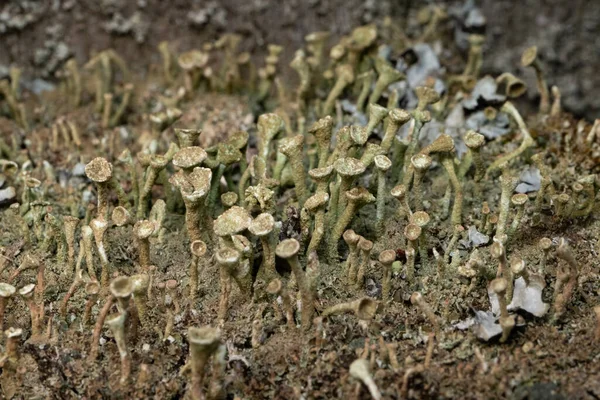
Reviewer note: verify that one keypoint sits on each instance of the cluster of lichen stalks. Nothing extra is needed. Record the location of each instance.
(234, 195)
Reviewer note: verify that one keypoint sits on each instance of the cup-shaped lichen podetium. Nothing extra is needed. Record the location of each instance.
(292, 147)
(120, 216)
(376, 114)
(357, 136)
(194, 188)
(242, 244)
(203, 343)
(117, 324)
(420, 117)
(442, 144)
(315, 44)
(262, 226)
(239, 140)
(386, 258)
(139, 284)
(100, 171)
(498, 251)
(192, 62)
(232, 222)
(242, 274)
(229, 199)
(345, 76)
(300, 64)
(360, 369)
(351, 238)
(365, 246)
(530, 59)
(399, 193)
(364, 308)
(507, 322)
(27, 293)
(421, 219)
(365, 81)
(475, 141)
(13, 336)
(417, 299)
(321, 177)
(99, 227)
(348, 169)
(92, 290)
(142, 231)
(316, 205)
(395, 119)
(288, 250)
(513, 86)
(189, 157)
(420, 164)
(518, 200)
(268, 126)
(357, 198)
(527, 140)
(448, 163)
(426, 96)
(322, 129)
(157, 164)
(122, 289)
(412, 232)
(70, 226)
(198, 249)
(475, 59)
(336, 54)
(371, 151)
(187, 137)
(227, 155)
(566, 279)
(277, 288)
(386, 75)
(545, 245)
(228, 260)
(361, 39)
(6, 292)
(87, 235)
(162, 120)
(508, 183)
(519, 269)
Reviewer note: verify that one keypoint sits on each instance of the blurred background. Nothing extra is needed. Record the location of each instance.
(39, 36)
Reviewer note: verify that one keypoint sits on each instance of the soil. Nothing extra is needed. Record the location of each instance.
(543, 358)
(44, 34)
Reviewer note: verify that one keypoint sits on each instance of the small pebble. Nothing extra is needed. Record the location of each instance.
(7, 194)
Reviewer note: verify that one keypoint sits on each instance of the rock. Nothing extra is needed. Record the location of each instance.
(38, 86)
(491, 129)
(483, 94)
(477, 238)
(7, 195)
(78, 169)
(427, 65)
(529, 180)
(529, 298)
(486, 326)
